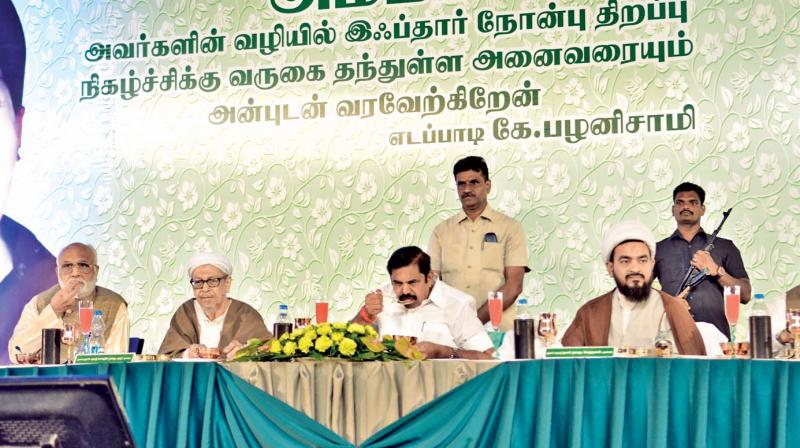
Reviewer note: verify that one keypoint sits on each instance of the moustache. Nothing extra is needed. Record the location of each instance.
(407, 298)
(634, 274)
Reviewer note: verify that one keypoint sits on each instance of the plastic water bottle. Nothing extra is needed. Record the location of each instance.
(97, 338)
(283, 324)
(524, 337)
(760, 329)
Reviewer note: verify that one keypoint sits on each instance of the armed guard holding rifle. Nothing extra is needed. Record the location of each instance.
(687, 266)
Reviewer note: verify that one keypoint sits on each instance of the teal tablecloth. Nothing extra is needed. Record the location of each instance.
(612, 403)
(198, 405)
(553, 403)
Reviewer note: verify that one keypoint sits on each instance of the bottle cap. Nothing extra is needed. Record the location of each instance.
(522, 301)
(759, 296)
(283, 306)
(98, 313)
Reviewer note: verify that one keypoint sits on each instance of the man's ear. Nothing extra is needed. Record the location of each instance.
(20, 114)
(610, 268)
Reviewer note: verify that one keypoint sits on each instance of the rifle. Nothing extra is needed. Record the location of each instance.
(694, 276)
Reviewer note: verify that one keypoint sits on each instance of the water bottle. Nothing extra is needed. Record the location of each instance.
(524, 337)
(283, 324)
(97, 338)
(760, 329)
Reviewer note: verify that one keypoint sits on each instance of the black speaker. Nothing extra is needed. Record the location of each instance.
(76, 411)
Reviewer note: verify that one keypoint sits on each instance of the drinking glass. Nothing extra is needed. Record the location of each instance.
(732, 300)
(85, 315)
(70, 335)
(793, 327)
(495, 310)
(547, 327)
(302, 316)
(495, 303)
(321, 311)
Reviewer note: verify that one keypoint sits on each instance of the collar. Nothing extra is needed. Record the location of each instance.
(677, 235)
(437, 295)
(629, 304)
(488, 214)
(201, 315)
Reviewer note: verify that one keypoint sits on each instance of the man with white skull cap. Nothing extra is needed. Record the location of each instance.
(633, 313)
(211, 319)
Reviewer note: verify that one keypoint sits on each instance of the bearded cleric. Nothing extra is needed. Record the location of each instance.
(632, 314)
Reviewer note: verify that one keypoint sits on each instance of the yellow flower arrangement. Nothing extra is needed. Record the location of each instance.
(347, 347)
(335, 340)
(275, 346)
(356, 328)
(289, 348)
(325, 329)
(305, 344)
(322, 344)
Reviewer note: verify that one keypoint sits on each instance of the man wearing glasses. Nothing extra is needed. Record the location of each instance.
(211, 319)
(684, 247)
(58, 306)
(479, 249)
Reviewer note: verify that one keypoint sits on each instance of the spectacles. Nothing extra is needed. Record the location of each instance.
(83, 268)
(211, 282)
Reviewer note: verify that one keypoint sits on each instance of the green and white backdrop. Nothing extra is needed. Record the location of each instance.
(312, 205)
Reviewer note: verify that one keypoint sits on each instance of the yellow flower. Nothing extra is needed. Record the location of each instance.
(275, 346)
(337, 336)
(305, 344)
(289, 348)
(339, 325)
(310, 333)
(347, 347)
(324, 329)
(323, 344)
(297, 332)
(284, 336)
(356, 328)
(371, 331)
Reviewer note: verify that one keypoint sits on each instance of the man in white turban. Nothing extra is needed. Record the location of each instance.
(633, 313)
(211, 319)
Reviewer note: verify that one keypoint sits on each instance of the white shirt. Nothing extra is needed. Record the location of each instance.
(28, 332)
(636, 324)
(210, 329)
(446, 317)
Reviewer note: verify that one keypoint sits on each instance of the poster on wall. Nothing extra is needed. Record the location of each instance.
(308, 139)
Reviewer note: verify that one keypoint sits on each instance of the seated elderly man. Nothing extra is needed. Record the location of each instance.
(632, 314)
(211, 319)
(77, 280)
(440, 316)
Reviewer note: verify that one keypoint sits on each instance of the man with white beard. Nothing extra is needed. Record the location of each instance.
(77, 280)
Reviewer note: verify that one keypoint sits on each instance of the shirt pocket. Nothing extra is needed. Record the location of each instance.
(437, 332)
(492, 257)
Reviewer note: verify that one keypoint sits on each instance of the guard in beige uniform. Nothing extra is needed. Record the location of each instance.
(480, 250)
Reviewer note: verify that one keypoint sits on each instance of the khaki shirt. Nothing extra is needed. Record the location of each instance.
(472, 255)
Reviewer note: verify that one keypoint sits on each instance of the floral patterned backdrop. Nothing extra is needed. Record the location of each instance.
(313, 209)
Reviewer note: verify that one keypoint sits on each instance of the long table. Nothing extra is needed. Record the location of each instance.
(357, 399)
(549, 403)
